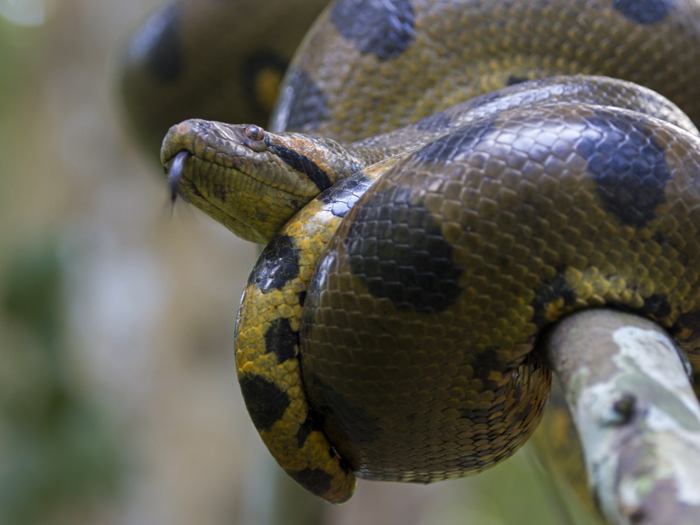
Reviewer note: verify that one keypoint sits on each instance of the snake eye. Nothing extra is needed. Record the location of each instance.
(254, 132)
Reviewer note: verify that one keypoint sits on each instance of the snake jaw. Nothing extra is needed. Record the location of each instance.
(230, 147)
(232, 174)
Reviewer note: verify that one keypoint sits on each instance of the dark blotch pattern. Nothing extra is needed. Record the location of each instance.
(627, 161)
(282, 340)
(340, 198)
(357, 426)
(397, 248)
(485, 362)
(304, 165)
(384, 28)
(264, 400)
(314, 421)
(277, 265)
(309, 105)
(512, 80)
(656, 305)
(549, 291)
(687, 326)
(458, 142)
(164, 50)
(644, 12)
(253, 66)
(316, 481)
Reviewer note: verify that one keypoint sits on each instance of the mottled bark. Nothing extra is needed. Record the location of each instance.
(627, 386)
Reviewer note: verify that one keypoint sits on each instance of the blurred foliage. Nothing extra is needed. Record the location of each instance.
(21, 50)
(55, 446)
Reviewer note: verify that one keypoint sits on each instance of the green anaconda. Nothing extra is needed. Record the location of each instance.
(388, 328)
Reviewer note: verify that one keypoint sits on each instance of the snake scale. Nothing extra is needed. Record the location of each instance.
(435, 191)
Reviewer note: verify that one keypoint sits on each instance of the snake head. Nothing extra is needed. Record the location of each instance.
(250, 180)
(229, 172)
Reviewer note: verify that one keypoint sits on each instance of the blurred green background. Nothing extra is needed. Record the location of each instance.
(118, 398)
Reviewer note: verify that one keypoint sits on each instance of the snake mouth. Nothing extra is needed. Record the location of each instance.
(230, 149)
(233, 179)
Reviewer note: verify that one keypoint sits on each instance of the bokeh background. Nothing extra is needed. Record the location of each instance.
(118, 397)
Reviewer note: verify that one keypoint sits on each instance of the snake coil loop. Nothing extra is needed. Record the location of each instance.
(454, 209)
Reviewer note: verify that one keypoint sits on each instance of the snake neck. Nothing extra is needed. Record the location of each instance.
(251, 180)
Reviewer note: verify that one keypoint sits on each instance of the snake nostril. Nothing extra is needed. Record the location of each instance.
(174, 172)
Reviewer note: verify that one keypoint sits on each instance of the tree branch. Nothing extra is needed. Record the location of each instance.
(627, 387)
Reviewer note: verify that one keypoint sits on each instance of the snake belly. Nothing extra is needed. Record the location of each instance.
(399, 347)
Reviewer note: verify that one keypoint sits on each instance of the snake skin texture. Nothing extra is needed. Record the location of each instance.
(388, 329)
(209, 59)
(419, 323)
(371, 67)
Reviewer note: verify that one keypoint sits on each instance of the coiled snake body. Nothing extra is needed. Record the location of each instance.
(387, 329)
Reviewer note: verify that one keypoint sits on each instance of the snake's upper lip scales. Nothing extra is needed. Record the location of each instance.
(226, 146)
(203, 139)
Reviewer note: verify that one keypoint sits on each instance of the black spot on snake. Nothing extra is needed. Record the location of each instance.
(255, 65)
(265, 401)
(282, 340)
(384, 28)
(308, 105)
(159, 40)
(277, 265)
(486, 362)
(357, 427)
(396, 247)
(512, 80)
(316, 480)
(342, 196)
(459, 142)
(304, 165)
(687, 326)
(628, 164)
(554, 292)
(435, 122)
(644, 12)
(314, 421)
(656, 305)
